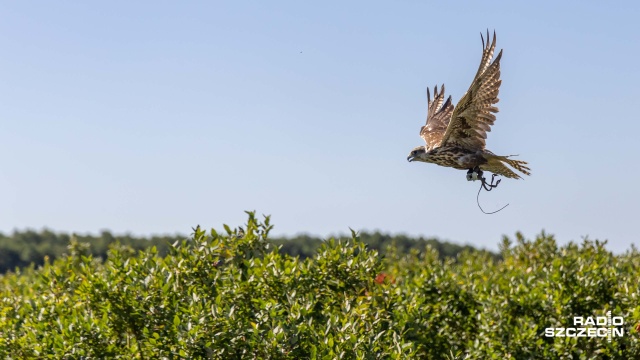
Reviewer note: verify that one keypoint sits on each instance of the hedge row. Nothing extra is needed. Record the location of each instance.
(228, 296)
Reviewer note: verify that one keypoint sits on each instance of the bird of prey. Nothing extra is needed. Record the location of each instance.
(455, 137)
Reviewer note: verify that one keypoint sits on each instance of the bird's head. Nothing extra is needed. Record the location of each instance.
(418, 154)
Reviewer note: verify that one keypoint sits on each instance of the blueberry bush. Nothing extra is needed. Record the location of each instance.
(227, 295)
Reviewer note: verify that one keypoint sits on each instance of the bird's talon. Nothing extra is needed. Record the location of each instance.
(474, 174)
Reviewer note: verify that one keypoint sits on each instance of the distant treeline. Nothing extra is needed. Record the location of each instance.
(23, 248)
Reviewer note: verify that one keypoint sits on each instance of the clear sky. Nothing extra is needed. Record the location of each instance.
(153, 117)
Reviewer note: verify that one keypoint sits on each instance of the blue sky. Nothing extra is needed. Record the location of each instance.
(153, 117)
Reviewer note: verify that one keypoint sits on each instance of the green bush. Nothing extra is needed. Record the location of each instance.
(23, 248)
(229, 296)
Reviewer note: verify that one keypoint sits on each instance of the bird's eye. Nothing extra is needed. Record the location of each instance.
(414, 152)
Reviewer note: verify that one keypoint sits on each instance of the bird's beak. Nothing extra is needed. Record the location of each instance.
(409, 158)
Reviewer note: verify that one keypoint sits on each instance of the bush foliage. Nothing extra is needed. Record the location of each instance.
(228, 295)
(23, 248)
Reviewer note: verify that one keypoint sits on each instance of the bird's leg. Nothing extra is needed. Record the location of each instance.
(474, 174)
(477, 174)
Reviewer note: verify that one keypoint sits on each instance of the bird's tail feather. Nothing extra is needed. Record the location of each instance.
(496, 165)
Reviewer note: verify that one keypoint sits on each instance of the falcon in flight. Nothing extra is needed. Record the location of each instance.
(455, 137)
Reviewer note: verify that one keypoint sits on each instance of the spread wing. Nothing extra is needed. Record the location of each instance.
(473, 116)
(438, 116)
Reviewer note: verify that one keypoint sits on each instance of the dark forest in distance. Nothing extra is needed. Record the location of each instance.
(23, 248)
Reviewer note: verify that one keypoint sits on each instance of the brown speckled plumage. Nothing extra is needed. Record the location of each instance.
(455, 137)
